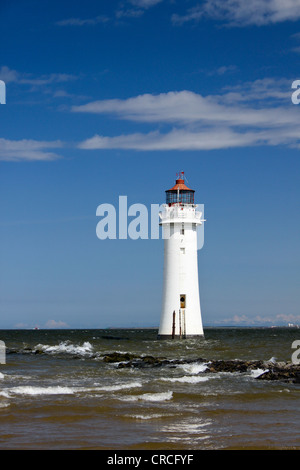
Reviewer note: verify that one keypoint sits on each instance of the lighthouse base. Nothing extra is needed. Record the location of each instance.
(180, 337)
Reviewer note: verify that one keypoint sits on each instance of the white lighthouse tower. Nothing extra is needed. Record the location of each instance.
(181, 313)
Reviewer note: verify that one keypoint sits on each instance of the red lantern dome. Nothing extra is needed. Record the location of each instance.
(180, 193)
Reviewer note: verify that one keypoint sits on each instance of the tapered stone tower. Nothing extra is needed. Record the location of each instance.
(181, 313)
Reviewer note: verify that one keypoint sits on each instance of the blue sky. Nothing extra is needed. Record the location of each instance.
(109, 98)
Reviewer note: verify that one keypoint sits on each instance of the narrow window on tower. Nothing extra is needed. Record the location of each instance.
(182, 251)
(182, 301)
(182, 230)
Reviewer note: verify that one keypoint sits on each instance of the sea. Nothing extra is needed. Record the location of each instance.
(57, 391)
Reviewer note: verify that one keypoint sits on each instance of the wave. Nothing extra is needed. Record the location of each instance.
(29, 390)
(32, 391)
(116, 388)
(145, 417)
(4, 405)
(194, 368)
(257, 372)
(153, 397)
(66, 347)
(186, 379)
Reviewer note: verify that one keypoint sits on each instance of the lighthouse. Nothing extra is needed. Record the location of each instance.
(179, 218)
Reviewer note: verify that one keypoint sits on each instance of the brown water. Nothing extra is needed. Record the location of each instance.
(69, 398)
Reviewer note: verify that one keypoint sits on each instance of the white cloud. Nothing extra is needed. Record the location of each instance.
(136, 9)
(188, 107)
(83, 21)
(225, 69)
(145, 3)
(260, 320)
(288, 318)
(193, 14)
(55, 324)
(243, 12)
(47, 79)
(9, 75)
(129, 9)
(176, 139)
(21, 325)
(275, 91)
(46, 84)
(260, 114)
(27, 150)
(129, 13)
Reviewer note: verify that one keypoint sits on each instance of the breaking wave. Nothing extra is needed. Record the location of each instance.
(194, 379)
(257, 372)
(30, 390)
(116, 388)
(66, 347)
(163, 396)
(194, 369)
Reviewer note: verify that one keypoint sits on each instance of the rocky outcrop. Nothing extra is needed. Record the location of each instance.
(233, 366)
(118, 357)
(130, 360)
(285, 373)
(269, 370)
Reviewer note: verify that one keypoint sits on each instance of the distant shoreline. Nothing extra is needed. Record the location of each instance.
(210, 327)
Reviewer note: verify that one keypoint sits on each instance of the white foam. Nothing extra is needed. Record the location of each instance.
(164, 396)
(115, 388)
(188, 427)
(30, 390)
(193, 369)
(194, 379)
(10, 377)
(67, 348)
(154, 416)
(257, 372)
(4, 405)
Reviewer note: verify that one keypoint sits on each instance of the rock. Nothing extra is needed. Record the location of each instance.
(286, 373)
(271, 370)
(123, 365)
(37, 351)
(228, 366)
(143, 362)
(11, 351)
(118, 357)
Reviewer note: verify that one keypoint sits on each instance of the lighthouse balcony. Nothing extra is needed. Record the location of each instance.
(180, 213)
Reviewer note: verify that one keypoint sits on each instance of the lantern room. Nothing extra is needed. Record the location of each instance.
(180, 193)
